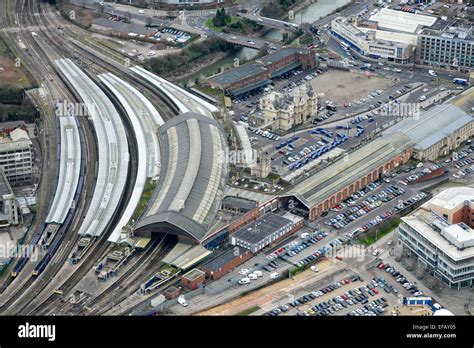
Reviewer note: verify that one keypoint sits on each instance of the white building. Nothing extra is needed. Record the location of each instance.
(366, 42)
(399, 21)
(440, 234)
(8, 203)
(16, 156)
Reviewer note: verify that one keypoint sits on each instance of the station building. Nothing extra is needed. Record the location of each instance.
(192, 180)
(441, 129)
(338, 181)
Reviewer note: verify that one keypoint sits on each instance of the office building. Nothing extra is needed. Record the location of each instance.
(440, 233)
(16, 156)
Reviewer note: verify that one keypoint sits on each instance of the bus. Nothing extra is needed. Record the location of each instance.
(458, 81)
(345, 46)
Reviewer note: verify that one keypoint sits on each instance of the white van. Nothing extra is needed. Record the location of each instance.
(182, 301)
(252, 276)
(258, 273)
(304, 235)
(244, 280)
(274, 275)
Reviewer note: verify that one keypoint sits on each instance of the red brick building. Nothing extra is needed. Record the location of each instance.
(333, 184)
(193, 279)
(251, 76)
(225, 262)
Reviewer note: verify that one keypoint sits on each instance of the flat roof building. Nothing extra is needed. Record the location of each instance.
(393, 20)
(225, 262)
(193, 279)
(338, 181)
(367, 42)
(16, 156)
(440, 234)
(265, 230)
(452, 47)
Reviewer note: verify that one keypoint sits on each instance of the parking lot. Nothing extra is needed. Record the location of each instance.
(343, 87)
(352, 295)
(301, 149)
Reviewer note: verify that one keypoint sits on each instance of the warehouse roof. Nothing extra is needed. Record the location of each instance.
(123, 27)
(261, 228)
(237, 74)
(281, 54)
(465, 100)
(404, 38)
(239, 202)
(341, 174)
(192, 179)
(223, 259)
(432, 126)
(402, 21)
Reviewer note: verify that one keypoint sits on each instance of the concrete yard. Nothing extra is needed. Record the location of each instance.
(345, 87)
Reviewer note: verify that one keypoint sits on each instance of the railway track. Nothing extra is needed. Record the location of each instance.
(56, 46)
(57, 91)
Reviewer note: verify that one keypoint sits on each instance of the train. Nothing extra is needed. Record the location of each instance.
(21, 264)
(54, 246)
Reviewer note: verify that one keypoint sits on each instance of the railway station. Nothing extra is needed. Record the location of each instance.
(192, 180)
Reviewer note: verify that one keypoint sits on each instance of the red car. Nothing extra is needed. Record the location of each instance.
(376, 291)
(381, 266)
(339, 257)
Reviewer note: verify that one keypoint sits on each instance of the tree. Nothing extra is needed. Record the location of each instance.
(221, 18)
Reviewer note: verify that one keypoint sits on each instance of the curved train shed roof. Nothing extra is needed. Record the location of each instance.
(192, 180)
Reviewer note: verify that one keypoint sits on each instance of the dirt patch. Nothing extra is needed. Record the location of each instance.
(10, 75)
(345, 87)
(83, 16)
(270, 293)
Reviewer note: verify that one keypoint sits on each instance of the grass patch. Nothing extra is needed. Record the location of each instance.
(144, 199)
(306, 40)
(297, 270)
(213, 92)
(248, 311)
(210, 24)
(371, 237)
(11, 20)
